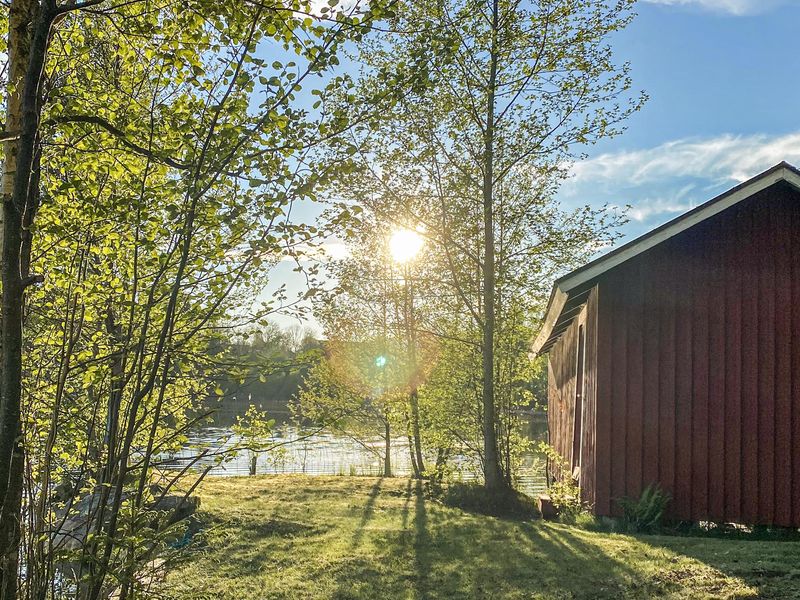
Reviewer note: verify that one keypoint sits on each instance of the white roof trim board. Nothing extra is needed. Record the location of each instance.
(570, 282)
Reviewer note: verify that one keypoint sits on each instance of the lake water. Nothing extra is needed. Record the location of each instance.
(293, 449)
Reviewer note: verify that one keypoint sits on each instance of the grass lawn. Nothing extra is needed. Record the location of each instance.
(369, 538)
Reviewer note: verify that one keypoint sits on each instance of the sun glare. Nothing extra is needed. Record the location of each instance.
(405, 244)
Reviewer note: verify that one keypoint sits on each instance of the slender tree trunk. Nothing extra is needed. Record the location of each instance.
(414, 467)
(29, 27)
(387, 456)
(11, 527)
(413, 395)
(491, 466)
(441, 462)
(414, 398)
(253, 463)
(117, 368)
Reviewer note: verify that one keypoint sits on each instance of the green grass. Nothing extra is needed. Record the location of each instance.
(363, 538)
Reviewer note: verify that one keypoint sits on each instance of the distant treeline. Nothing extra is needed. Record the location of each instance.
(270, 365)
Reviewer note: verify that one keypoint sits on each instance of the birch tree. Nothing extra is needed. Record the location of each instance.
(514, 91)
(368, 318)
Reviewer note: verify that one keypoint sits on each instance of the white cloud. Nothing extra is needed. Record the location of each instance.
(733, 7)
(728, 157)
(674, 177)
(672, 203)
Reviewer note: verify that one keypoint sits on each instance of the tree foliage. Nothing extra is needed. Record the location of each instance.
(374, 362)
(154, 153)
(512, 93)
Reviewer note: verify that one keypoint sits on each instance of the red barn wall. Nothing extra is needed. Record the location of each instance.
(561, 368)
(698, 369)
(562, 371)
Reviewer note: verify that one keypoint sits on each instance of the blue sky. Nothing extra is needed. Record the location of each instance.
(724, 100)
(724, 105)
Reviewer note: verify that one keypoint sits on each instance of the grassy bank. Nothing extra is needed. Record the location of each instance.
(364, 538)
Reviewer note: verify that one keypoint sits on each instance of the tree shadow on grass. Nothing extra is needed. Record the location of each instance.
(567, 561)
(405, 509)
(422, 542)
(520, 559)
(771, 568)
(456, 555)
(366, 516)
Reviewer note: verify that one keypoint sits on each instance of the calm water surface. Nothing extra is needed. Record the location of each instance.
(297, 450)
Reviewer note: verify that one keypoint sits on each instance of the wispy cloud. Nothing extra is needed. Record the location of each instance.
(733, 7)
(672, 178)
(725, 158)
(672, 202)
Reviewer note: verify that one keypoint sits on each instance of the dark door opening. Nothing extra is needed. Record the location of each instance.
(578, 419)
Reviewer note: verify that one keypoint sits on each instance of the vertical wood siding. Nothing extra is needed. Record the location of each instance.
(693, 370)
(698, 368)
(589, 464)
(562, 371)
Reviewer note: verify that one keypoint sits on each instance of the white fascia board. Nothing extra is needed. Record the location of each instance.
(557, 301)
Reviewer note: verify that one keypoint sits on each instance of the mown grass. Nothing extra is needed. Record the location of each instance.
(368, 538)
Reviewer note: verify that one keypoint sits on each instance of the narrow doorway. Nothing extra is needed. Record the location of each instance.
(577, 437)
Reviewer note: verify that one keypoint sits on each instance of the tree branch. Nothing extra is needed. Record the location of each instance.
(120, 135)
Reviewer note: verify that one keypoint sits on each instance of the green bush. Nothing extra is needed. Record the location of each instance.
(646, 513)
(473, 497)
(565, 493)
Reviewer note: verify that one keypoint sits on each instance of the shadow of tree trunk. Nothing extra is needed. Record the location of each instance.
(369, 509)
(422, 543)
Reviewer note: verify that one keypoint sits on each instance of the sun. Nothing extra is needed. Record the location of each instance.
(405, 244)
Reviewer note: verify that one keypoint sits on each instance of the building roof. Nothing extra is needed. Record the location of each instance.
(571, 291)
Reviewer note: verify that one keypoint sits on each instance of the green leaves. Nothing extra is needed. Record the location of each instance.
(464, 93)
(255, 429)
(163, 206)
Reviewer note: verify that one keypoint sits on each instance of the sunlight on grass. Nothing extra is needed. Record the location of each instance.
(361, 538)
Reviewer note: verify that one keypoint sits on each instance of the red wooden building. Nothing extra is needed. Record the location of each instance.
(675, 359)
